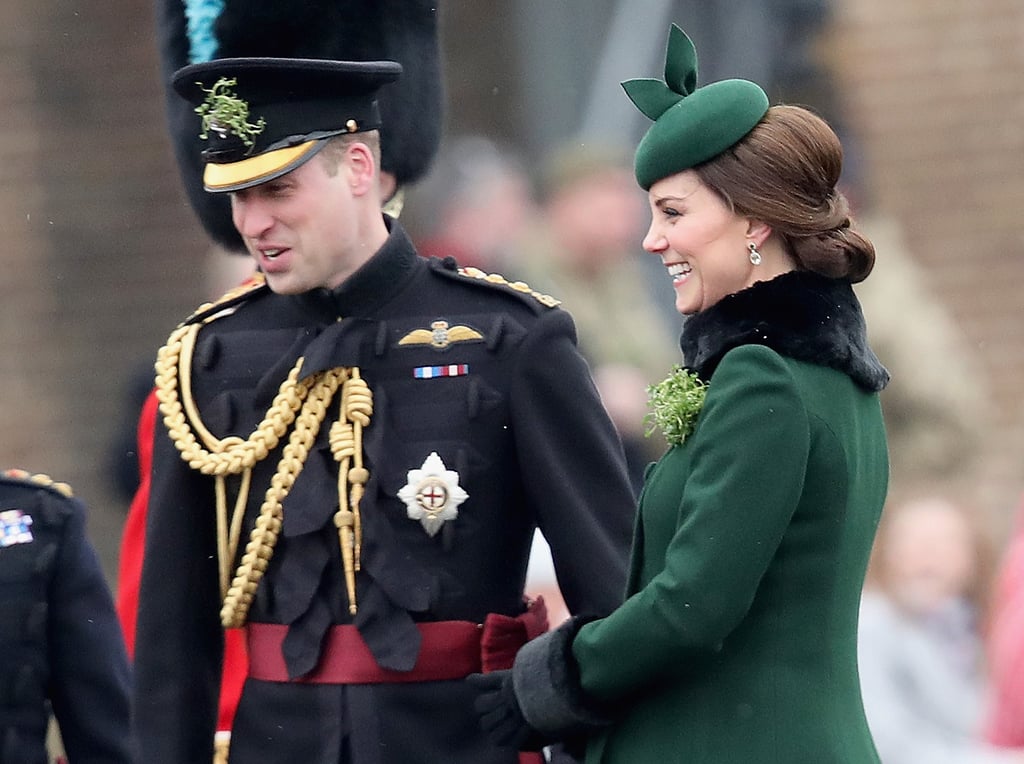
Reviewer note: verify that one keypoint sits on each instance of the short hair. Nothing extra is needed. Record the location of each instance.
(332, 153)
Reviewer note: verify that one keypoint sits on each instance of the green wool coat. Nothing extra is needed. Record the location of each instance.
(737, 643)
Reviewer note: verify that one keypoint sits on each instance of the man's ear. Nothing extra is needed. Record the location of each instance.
(362, 168)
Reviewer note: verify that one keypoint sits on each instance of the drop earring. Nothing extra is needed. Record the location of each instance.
(755, 256)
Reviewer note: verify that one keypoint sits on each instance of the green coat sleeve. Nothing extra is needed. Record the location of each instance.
(743, 469)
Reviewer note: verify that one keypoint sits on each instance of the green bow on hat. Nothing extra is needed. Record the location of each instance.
(691, 124)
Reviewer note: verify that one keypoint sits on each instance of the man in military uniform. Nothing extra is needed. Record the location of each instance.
(403, 30)
(60, 639)
(356, 452)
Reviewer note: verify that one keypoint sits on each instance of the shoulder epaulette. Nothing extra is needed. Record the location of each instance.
(244, 291)
(478, 276)
(36, 481)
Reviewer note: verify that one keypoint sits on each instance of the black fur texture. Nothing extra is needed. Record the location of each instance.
(800, 315)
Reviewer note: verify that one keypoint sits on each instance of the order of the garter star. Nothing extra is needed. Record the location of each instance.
(432, 494)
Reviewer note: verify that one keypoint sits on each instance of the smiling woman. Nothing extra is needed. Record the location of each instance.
(737, 641)
(773, 194)
(694, 232)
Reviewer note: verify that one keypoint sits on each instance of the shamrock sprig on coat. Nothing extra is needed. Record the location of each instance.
(675, 404)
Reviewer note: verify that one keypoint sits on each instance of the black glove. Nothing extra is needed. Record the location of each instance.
(540, 700)
(499, 712)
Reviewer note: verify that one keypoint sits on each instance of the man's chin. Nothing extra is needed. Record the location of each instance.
(283, 285)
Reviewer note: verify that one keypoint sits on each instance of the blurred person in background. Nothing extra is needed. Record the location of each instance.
(583, 247)
(935, 429)
(1005, 723)
(59, 637)
(473, 205)
(921, 645)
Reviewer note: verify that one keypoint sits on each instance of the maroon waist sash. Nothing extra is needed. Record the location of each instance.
(449, 650)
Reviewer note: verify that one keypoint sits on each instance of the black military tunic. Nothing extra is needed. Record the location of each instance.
(476, 375)
(59, 636)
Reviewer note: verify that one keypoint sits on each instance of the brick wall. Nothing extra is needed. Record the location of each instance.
(26, 302)
(101, 255)
(934, 90)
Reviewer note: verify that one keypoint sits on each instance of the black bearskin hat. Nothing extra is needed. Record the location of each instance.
(405, 31)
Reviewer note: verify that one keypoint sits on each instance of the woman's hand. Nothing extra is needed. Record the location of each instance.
(540, 700)
(500, 715)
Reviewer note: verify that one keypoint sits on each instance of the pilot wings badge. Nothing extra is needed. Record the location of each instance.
(440, 335)
(432, 494)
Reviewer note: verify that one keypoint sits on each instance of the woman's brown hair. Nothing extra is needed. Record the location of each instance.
(784, 173)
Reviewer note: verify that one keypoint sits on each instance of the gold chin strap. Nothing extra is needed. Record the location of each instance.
(304, 402)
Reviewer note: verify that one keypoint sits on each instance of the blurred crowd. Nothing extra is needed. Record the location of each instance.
(941, 649)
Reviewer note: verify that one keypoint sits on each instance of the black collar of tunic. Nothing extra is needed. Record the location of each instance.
(380, 278)
(799, 314)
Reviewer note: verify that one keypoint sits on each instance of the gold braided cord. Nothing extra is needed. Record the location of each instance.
(342, 438)
(229, 455)
(346, 439)
(223, 561)
(263, 538)
(302, 402)
(357, 399)
(228, 537)
(236, 522)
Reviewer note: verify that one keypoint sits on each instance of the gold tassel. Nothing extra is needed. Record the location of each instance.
(347, 447)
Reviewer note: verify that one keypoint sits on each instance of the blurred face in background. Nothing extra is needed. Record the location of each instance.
(929, 557)
(598, 218)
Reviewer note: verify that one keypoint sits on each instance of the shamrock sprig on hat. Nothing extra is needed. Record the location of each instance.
(675, 404)
(225, 113)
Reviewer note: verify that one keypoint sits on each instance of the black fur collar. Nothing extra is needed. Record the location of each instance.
(800, 315)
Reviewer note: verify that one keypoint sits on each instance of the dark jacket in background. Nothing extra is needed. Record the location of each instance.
(59, 637)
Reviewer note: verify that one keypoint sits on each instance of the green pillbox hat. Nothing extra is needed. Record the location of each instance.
(691, 124)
